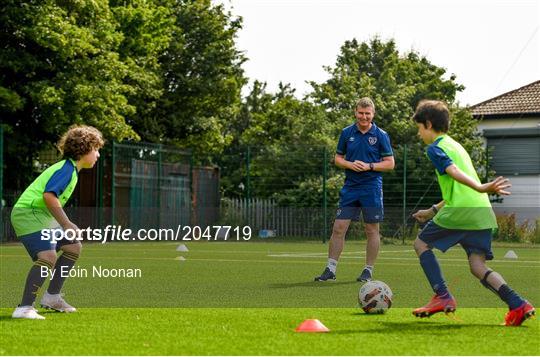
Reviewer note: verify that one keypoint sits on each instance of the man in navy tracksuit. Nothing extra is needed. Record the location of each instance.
(364, 151)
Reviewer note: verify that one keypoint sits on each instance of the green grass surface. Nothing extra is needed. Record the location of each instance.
(264, 331)
(231, 298)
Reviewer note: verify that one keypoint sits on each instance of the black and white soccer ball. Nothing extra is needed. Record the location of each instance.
(375, 297)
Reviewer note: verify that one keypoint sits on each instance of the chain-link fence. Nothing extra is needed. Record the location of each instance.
(151, 186)
(294, 191)
(139, 185)
(290, 191)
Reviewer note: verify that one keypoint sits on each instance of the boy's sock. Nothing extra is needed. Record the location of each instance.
(34, 281)
(433, 273)
(332, 265)
(509, 296)
(66, 260)
(370, 268)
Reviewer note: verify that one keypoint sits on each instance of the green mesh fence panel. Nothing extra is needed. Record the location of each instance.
(152, 186)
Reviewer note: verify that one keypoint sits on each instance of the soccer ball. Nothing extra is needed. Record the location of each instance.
(375, 297)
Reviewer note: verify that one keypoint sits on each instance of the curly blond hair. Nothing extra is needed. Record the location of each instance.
(79, 140)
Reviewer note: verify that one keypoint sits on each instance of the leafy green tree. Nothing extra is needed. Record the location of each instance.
(147, 28)
(59, 65)
(202, 77)
(285, 137)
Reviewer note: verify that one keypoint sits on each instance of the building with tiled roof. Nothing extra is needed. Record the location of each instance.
(510, 124)
(521, 102)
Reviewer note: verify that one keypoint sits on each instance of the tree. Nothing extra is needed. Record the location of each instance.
(202, 77)
(286, 138)
(58, 66)
(147, 28)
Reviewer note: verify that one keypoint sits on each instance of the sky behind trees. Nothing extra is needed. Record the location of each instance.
(492, 46)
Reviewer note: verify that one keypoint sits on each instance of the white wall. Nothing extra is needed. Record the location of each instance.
(525, 198)
(515, 123)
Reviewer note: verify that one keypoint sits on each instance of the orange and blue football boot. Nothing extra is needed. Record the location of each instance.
(437, 304)
(516, 316)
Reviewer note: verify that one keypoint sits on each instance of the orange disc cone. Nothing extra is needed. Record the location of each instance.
(312, 325)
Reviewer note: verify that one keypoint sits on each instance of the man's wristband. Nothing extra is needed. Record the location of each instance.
(434, 209)
(371, 166)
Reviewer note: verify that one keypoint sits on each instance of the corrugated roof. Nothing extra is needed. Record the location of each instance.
(524, 100)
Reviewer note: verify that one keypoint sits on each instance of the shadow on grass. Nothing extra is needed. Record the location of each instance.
(419, 327)
(314, 284)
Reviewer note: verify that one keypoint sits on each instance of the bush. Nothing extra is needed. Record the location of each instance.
(512, 231)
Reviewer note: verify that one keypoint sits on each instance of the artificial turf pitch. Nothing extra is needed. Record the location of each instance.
(230, 298)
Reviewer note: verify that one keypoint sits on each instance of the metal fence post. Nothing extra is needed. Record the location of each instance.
(248, 184)
(325, 202)
(486, 179)
(99, 190)
(404, 204)
(113, 184)
(160, 149)
(1, 183)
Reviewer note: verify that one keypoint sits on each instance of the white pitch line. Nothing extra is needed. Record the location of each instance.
(274, 261)
(317, 262)
(309, 255)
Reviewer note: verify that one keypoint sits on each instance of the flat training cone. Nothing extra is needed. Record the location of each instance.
(180, 258)
(312, 325)
(182, 248)
(511, 255)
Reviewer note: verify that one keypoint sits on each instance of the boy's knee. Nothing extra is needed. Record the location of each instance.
(420, 246)
(49, 256)
(73, 248)
(478, 269)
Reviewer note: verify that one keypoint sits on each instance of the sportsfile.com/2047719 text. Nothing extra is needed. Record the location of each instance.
(112, 233)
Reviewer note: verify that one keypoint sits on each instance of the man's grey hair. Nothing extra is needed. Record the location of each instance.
(364, 103)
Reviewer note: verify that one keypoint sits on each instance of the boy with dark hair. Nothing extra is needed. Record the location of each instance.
(464, 216)
(40, 208)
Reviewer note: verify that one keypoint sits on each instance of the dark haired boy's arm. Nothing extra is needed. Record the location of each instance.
(54, 206)
(498, 186)
(425, 215)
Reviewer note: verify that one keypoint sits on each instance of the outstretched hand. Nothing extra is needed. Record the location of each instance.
(498, 186)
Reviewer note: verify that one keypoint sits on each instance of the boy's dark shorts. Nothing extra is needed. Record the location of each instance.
(34, 244)
(478, 242)
(367, 200)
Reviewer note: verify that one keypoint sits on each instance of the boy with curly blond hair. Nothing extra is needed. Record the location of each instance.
(40, 208)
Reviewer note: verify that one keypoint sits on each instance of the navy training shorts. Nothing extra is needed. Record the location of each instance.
(34, 244)
(478, 242)
(365, 200)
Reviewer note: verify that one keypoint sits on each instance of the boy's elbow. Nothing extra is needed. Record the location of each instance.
(49, 197)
